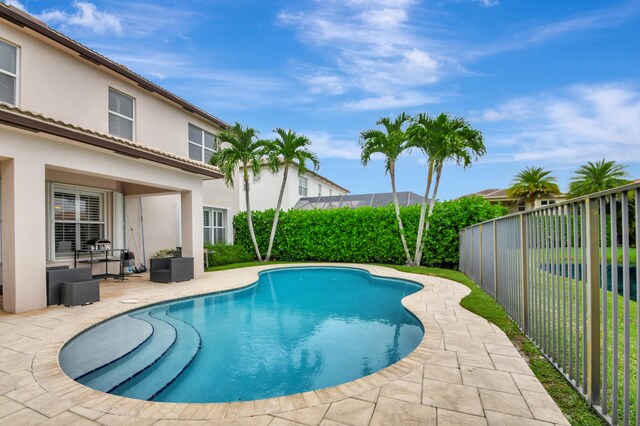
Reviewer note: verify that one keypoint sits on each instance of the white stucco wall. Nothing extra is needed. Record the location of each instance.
(59, 84)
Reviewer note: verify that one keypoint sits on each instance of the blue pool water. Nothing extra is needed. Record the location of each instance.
(295, 330)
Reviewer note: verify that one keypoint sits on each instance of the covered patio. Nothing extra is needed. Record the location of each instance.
(62, 185)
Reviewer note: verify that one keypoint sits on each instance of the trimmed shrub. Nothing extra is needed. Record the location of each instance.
(222, 254)
(364, 235)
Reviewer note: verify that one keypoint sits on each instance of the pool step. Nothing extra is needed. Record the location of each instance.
(134, 363)
(94, 348)
(156, 378)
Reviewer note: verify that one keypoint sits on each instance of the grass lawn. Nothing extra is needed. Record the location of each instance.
(570, 402)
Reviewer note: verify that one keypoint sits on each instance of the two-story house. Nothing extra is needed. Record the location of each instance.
(265, 190)
(86, 146)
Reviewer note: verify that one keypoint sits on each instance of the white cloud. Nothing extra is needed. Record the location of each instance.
(374, 53)
(326, 145)
(405, 100)
(16, 4)
(85, 16)
(320, 83)
(576, 124)
(590, 21)
(489, 3)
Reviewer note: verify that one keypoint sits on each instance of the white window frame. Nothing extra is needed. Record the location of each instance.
(319, 190)
(330, 192)
(302, 186)
(16, 94)
(77, 191)
(132, 119)
(203, 148)
(213, 226)
(522, 207)
(547, 202)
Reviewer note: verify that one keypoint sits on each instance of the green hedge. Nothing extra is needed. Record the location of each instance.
(364, 235)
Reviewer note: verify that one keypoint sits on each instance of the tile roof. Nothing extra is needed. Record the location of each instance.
(29, 120)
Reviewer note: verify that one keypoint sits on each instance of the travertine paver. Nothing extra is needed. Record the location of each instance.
(464, 372)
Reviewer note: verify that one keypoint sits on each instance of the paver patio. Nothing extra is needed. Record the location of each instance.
(464, 372)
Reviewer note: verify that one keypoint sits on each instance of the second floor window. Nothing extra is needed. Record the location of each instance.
(8, 73)
(319, 190)
(302, 186)
(202, 144)
(120, 115)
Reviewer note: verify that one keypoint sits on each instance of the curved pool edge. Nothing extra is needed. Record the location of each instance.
(49, 375)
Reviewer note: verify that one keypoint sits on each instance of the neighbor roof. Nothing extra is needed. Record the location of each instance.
(357, 200)
(24, 20)
(31, 121)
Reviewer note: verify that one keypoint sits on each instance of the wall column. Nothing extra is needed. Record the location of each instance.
(24, 234)
(192, 228)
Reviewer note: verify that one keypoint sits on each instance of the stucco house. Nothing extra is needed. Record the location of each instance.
(86, 146)
(499, 196)
(265, 190)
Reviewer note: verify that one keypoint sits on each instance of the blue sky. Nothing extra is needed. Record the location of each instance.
(549, 83)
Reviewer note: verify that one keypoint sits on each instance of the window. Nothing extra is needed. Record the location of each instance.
(202, 144)
(77, 216)
(215, 230)
(8, 73)
(522, 207)
(330, 192)
(319, 190)
(302, 186)
(120, 115)
(547, 202)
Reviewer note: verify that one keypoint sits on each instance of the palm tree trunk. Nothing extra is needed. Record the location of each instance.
(277, 215)
(249, 218)
(392, 173)
(423, 213)
(432, 204)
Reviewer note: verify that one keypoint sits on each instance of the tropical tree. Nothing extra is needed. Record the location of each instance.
(596, 177)
(391, 143)
(288, 148)
(246, 150)
(532, 183)
(441, 139)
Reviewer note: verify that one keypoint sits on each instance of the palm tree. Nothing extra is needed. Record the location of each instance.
(246, 150)
(286, 149)
(596, 177)
(441, 139)
(391, 143)
(532, 183)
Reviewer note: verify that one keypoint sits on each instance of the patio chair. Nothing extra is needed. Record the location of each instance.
(71, 286)
(171, 269)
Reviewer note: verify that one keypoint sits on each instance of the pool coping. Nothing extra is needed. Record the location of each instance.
(94, 405)
(48, 373)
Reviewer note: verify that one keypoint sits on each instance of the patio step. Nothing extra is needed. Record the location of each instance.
(160, 375)
(94, 349)
(111, 376)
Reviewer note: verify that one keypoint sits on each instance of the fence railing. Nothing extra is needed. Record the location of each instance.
(568, 275)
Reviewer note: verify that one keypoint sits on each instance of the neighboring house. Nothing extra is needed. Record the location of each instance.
(499, 196)
(86, 146)
(264, 192)
(355, 201)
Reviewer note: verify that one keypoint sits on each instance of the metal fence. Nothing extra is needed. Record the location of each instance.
(568, 275)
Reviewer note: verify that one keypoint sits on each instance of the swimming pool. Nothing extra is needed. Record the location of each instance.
(294, 330)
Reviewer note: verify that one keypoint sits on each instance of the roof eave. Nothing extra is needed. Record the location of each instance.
(9, 13)
(38, 126)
